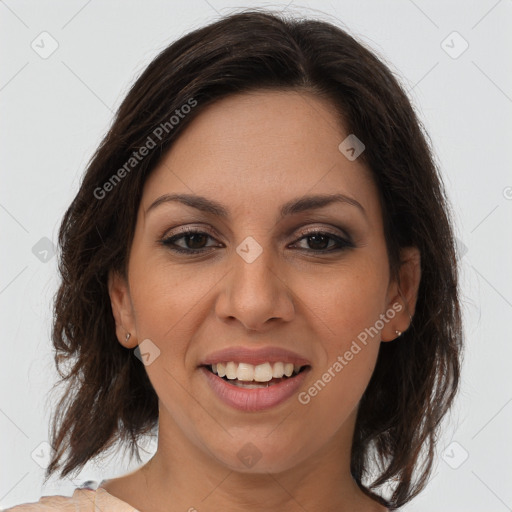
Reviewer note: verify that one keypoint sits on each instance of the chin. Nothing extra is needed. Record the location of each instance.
(259, 455)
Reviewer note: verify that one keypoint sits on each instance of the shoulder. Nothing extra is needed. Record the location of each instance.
(82, 500)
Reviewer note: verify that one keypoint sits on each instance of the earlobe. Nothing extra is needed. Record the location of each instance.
(404, 294)
(122, 309)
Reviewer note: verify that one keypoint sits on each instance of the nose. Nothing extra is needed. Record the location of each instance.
(254, 294)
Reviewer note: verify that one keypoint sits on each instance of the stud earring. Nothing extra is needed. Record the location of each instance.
(398, 333)
(128, 336)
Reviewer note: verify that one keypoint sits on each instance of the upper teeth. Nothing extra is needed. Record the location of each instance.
(259, 373)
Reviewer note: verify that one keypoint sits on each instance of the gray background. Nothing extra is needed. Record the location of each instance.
(55, 110)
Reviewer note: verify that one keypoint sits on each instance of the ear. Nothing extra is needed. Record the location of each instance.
(403, 294)
(122, 309)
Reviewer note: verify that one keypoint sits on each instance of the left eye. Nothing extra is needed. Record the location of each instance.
(323, 242)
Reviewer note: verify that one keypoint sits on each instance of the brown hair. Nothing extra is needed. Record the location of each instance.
(108, 396)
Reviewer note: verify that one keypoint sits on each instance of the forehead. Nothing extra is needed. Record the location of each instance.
(262, 147)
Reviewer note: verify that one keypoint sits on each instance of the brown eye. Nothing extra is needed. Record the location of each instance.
(318, 241)
(189, 242)
(196, 240)
(322, 242)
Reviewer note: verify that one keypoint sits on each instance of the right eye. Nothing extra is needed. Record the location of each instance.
(190, 242)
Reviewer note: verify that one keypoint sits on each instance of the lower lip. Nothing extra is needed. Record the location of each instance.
(251, 400)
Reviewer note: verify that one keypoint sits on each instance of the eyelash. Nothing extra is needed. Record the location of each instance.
(342, 243)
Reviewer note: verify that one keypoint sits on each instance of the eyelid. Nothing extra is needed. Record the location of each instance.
(332, 230)
(342, 241)
(302, 231)
(190, 228)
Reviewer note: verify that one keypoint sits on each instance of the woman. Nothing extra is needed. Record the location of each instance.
(259, 263)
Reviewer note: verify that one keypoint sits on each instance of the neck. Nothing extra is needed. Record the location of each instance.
(184, 477)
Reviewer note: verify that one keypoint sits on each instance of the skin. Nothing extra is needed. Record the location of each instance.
(253, 152)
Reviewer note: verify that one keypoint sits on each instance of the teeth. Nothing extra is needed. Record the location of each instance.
(249, 385)
(231, 370)
(263, 372)
(278, 370)
(246, 372)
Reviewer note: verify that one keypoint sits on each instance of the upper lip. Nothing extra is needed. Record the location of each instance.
(254, 356)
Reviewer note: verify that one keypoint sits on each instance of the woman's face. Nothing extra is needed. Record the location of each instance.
(276, 278)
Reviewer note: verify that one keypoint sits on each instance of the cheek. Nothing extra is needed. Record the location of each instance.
(166, 298)
(171, 305)
(346, 307)
(347, 301)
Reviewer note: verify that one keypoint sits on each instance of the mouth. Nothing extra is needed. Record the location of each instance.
(254, 388)
(249, 376)
(254, 379)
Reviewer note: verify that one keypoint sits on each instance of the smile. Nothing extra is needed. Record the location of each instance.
(251, 388)
(259, 373)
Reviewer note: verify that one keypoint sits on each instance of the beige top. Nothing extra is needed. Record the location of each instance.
(83, 500)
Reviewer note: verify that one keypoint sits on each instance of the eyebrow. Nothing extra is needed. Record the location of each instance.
(292, 207)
